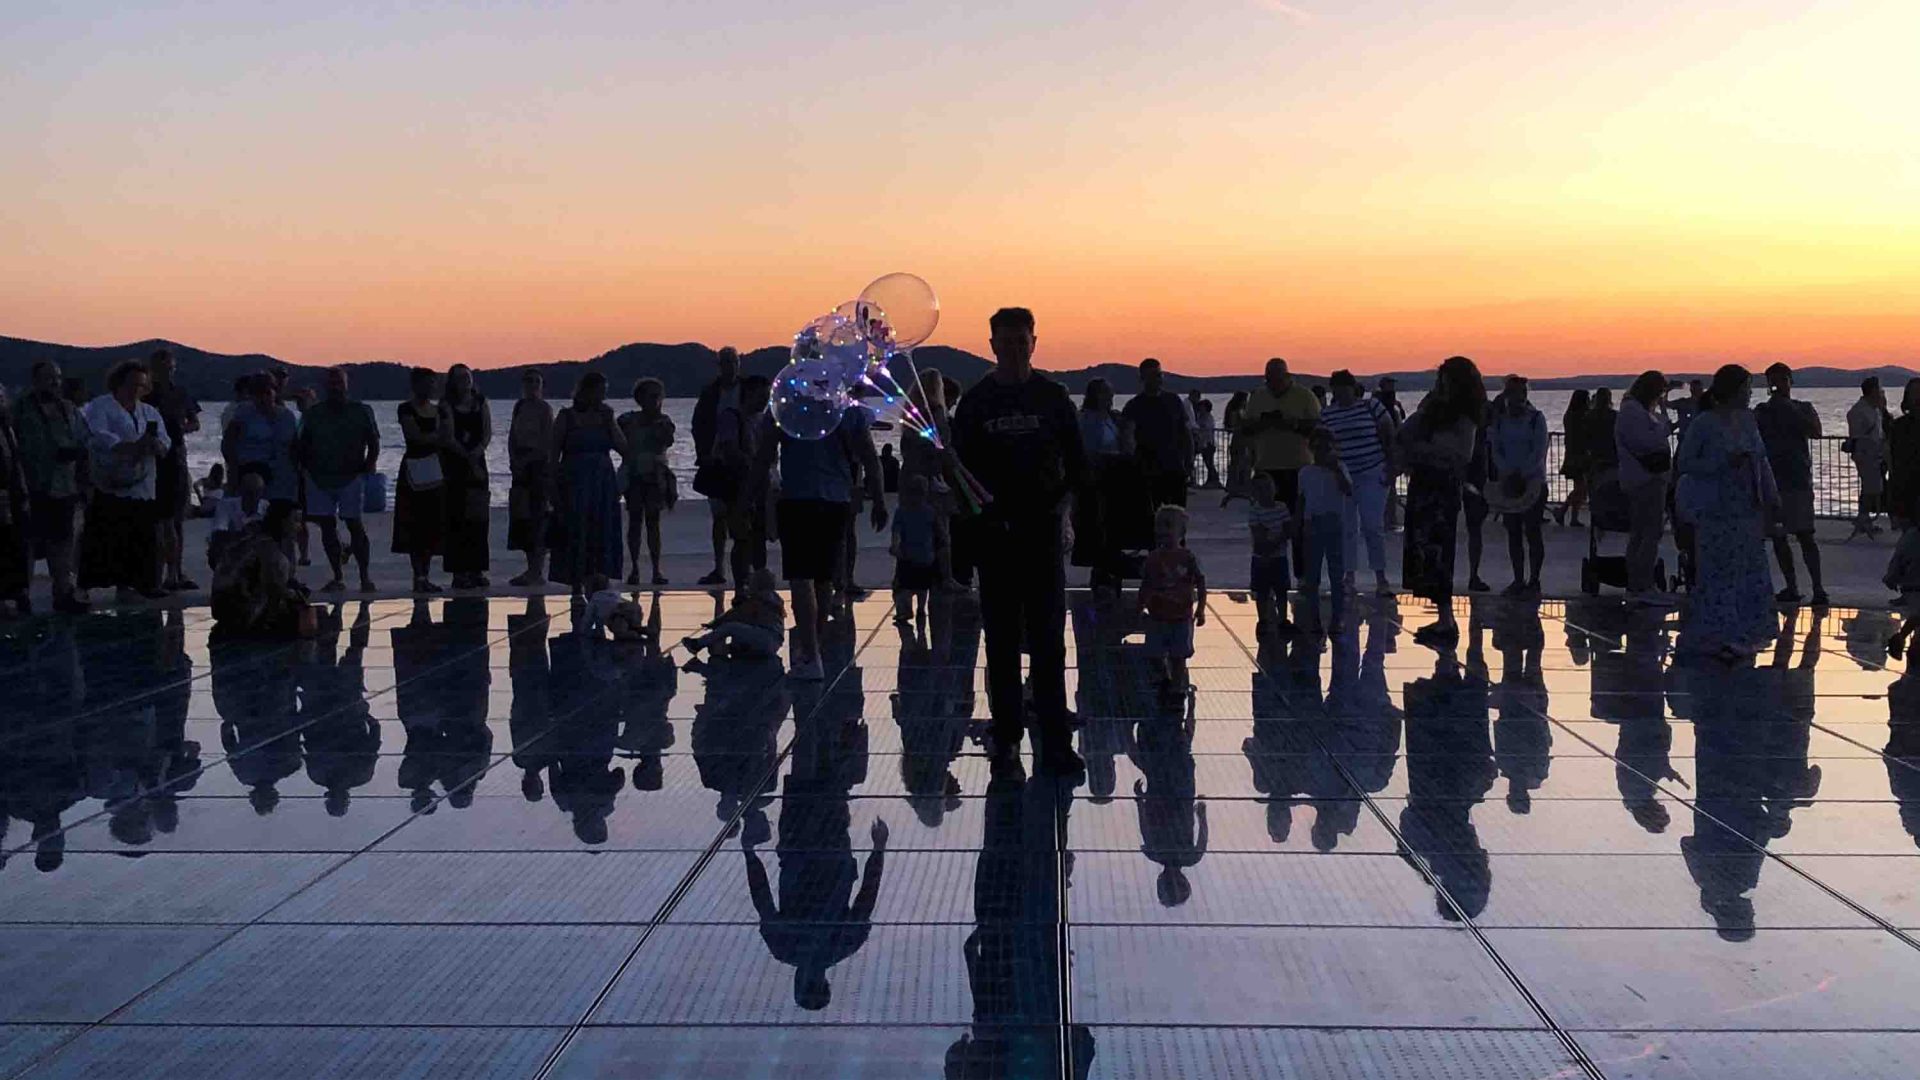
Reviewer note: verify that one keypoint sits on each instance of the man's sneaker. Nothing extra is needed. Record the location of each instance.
(716, 578)
(1788, 595)
(1476, 585)
(1819, 598)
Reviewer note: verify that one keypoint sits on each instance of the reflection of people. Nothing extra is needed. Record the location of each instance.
(645, 731)
(1173, 818)
(1627, 690)
(1449, 770)
(1523, 736)
(932, 731)
(583, 779)
(528, 718)
(258, 707)
(1903, 747)
(1013, 953)
(819, 919)
(341, 739)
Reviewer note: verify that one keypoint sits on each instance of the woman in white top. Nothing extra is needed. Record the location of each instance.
(1867, 439)
(125, 437)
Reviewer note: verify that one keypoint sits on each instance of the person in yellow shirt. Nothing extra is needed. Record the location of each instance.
(1277, 420)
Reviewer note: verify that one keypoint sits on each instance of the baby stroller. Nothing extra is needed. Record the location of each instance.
(1608, 512)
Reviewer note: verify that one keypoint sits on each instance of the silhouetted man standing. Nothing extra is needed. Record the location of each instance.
(1017, 433)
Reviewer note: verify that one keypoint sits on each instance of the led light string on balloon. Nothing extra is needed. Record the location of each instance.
(843, 360)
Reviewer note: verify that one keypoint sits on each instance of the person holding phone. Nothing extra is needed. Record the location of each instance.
(119, 546)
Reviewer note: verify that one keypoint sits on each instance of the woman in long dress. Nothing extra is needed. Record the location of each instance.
(468, 428)
(1726, 490)
(1438, 443)
(419, 498)
(586, 514)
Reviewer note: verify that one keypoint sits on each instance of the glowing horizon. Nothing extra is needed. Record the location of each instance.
(1565, 190)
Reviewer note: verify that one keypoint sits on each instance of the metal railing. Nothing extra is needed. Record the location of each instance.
(1836, 482)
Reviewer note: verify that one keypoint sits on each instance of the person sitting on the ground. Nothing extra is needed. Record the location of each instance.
(208, 492)
(254, 591)
(754, 627)
(608, 609)
(233, 514)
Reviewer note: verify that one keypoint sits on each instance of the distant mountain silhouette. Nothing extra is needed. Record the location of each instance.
(685, 368)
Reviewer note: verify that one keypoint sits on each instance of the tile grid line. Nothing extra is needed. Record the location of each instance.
(51, 1053)
(1420, 864)
(1661, 784)
(705, 858)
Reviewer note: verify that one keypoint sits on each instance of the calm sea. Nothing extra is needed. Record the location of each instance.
(203, 447)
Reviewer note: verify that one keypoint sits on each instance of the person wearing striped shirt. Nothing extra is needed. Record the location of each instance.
(1362, 431)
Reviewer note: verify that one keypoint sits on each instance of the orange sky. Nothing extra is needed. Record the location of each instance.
(1546, 187)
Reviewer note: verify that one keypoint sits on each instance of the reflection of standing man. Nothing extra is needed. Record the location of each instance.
(819, 919)
(1017, 433)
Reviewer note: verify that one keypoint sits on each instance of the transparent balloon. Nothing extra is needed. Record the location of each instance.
(809, 397)
(838, 342)
(898, 311)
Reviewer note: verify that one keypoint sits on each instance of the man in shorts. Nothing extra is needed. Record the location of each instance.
(817, 479)
(1785, 426)
(338, 446)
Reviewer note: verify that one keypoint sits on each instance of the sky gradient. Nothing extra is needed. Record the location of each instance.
(1549, 187)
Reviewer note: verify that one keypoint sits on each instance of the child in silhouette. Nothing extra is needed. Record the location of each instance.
(1271, 526)
(915, 570)
(1173, 593)
(1325, 489)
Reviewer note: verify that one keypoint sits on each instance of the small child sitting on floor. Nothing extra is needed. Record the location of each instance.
(754, 627)
(623, 619)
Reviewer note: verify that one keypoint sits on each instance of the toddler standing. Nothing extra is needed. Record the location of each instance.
(1325, 488)
(1173, 593)
(1271, 525)
(915, 550)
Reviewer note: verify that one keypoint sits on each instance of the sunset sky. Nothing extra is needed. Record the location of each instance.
(1546, 186)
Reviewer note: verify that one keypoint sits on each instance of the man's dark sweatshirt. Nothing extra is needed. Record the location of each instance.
(1022, 442)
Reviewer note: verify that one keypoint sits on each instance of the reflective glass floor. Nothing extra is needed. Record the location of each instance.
(456, 839)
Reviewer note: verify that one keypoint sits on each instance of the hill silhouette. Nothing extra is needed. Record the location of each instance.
(685, 368)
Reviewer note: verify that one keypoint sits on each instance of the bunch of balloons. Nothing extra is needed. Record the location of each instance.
(843, 359)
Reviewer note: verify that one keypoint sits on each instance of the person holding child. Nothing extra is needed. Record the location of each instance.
(1173, 593)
